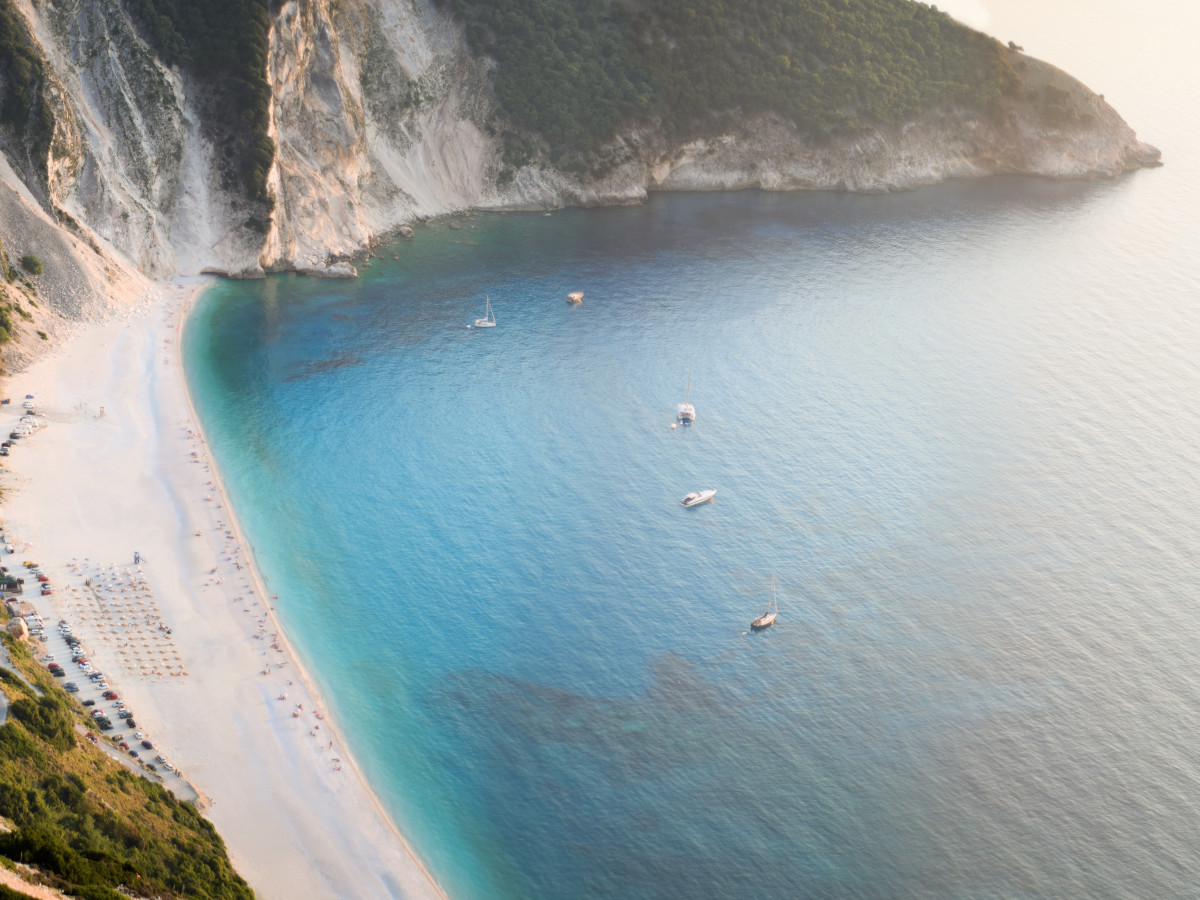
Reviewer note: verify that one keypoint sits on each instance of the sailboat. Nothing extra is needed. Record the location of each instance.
(686, 412)
(489, 319)
(767, 619)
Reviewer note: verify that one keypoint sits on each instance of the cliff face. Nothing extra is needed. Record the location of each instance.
(375, 115)
(379, 114)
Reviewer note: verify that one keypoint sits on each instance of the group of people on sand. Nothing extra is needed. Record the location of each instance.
(230, 553)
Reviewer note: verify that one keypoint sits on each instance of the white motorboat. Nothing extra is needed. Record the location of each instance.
(697, 497)
(575, 298)
(489, 319)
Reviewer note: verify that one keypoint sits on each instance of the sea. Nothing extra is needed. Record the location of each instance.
(958, 426)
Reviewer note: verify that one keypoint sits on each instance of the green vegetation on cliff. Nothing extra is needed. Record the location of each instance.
(23, 105)
(223, 44)
(571, 70)
(92, 828)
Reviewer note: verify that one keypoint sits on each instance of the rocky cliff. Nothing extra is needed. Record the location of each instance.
(381, 116)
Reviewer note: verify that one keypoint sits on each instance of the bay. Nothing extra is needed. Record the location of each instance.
(958, 425)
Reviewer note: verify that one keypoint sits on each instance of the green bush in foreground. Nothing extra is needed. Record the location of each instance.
(91, 827)
(31, 264)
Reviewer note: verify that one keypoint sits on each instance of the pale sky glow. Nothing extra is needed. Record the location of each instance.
(969, 12)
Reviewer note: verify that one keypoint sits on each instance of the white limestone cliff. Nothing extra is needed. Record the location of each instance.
(379, 114)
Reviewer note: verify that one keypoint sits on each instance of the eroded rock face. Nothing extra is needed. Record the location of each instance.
(375, 113)
(128, 161)
(379, 114)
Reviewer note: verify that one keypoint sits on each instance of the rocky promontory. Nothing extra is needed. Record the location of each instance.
(380, 115)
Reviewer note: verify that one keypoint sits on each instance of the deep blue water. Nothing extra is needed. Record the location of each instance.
(958, 425)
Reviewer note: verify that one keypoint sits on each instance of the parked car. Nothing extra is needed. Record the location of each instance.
(152, 767)
(123, 745)
(129, 723)
(71, 687)
(89, 702)
(110, 695)
(58, 673)
(91, 736)
(133, 753)
(124, 714)
(147, 745)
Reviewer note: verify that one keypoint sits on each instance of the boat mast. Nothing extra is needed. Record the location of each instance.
(687, 398)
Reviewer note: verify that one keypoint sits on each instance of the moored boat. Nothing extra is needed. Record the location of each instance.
(685, 412)
(575, 298)
(767, 619)
(489, 319)
(697, 497)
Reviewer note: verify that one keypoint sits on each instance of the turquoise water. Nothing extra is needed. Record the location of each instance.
(957, 425)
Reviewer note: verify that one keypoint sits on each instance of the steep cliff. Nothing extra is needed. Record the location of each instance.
(380, 115)
(377, 111)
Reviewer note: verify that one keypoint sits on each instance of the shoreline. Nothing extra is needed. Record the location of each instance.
(283, 790)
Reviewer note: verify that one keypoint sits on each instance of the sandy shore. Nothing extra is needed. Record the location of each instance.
(120, 467)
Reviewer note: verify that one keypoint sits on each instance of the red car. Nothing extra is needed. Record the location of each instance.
(43, 578)
(91, 737)
(47, 590)
(111, 695)
(123, 745)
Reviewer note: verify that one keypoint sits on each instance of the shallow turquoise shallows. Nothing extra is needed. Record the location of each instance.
(958, 425)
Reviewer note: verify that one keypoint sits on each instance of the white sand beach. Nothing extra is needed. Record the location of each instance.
(120, 468)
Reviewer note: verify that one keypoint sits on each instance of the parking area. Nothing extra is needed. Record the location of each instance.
(66, 655)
